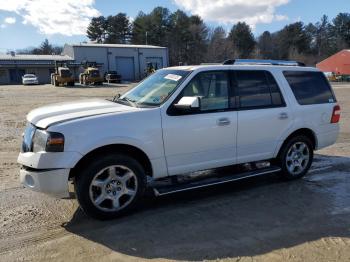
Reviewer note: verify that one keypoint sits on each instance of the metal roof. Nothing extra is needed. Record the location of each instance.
(117, 46)
(35, 57)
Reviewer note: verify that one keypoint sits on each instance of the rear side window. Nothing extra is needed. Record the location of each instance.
(257, 89)
(310, 87)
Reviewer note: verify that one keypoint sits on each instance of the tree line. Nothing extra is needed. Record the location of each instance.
(45, 48)
(191, 41)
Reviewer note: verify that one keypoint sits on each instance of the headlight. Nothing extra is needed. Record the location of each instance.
(48, 141)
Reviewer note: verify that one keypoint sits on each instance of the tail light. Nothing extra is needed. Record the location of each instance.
(336, 115)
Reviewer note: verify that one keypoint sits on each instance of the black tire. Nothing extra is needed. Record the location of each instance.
(71, 84)
(85, 178)
(55, 82)
(287, 164)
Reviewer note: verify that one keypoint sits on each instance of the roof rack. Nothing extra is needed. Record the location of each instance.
(262, 62)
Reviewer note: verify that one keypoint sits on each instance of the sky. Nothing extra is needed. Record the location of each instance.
(26, 23)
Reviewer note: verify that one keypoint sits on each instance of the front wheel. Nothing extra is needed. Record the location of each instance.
(296, 157)
(110, 186)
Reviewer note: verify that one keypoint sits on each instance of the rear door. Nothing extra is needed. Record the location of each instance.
(263, 115)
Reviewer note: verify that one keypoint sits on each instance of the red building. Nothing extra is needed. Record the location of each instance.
(338, 63)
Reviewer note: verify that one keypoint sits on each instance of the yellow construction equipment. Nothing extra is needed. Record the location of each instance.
(91, 74)
(62, 75)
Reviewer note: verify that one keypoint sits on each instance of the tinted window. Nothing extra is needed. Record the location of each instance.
(310, 87)
(257, 89)
(212, 87)
(276, 95)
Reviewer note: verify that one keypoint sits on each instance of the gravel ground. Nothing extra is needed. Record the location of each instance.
(260, 219)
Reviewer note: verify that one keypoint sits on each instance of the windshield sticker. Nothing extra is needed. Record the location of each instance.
(173, 77)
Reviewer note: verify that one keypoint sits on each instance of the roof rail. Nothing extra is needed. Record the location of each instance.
(262, 62)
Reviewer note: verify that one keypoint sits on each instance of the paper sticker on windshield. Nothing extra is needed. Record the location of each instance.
(173, 77)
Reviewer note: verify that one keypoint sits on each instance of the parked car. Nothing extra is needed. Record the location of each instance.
(112, 77)
(178, 121)
(30, 79)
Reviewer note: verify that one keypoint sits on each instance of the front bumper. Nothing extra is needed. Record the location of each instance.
(48, 172)
(30, 82)
(51, 182)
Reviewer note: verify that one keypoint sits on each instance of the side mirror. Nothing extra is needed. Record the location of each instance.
(188, 103)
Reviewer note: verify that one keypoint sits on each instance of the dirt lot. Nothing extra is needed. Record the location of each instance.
(257, 220)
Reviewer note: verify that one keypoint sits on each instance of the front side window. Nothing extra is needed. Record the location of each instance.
(212, 88)
(310, 87)
(256, 89)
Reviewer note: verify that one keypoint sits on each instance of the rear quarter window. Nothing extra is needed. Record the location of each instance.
(310, 87)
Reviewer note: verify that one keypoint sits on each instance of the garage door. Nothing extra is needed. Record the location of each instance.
(16, 75)
(126, 68)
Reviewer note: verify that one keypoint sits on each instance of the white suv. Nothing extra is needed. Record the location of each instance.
(178, 121)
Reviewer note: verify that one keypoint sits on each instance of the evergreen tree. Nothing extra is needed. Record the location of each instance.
(118, 29)
(266, 46)
(96, 30)
(242, 40)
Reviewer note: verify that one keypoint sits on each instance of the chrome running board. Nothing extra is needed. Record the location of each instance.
(212, 181)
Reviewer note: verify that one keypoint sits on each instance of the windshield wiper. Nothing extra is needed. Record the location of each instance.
(131, 102)
(125, 99)
(116, 97)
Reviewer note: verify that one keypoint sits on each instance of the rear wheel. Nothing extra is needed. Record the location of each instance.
(296, 157)
(110, 186)
(55, 82)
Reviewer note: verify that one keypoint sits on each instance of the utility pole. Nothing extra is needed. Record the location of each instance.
(146, 38)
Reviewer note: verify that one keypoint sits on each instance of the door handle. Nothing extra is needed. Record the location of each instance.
(223, 121)
(283, 115)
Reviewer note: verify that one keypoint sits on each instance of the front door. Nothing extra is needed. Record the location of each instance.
(203, 139)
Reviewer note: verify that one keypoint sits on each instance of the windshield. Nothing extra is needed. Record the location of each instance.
(65, 73)
(94, 73)
(155, 89)
(28, 76)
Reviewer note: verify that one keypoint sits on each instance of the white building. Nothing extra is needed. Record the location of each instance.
(13, 67)
(130, 61)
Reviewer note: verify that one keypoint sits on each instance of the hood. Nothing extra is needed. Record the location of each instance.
(46, 116)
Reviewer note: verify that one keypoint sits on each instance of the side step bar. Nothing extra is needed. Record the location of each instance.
(211, 181)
